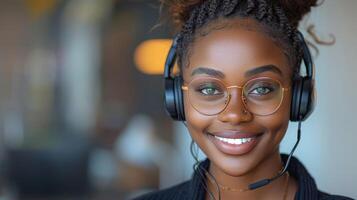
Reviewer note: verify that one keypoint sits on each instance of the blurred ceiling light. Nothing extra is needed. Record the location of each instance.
(150, 56)
(38, 8)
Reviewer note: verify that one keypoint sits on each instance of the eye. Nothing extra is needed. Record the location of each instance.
(209, 90)
(261, 90)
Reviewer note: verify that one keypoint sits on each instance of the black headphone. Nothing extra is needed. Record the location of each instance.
(303, 93)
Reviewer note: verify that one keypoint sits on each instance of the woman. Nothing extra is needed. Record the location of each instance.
(238, 87)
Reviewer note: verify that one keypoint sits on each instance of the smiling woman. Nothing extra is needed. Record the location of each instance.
(238, 88)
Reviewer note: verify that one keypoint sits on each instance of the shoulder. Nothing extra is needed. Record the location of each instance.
(178, 192)
(307, 188)
(325, 196)
(188, 190)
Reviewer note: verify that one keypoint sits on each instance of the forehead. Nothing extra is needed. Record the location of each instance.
(234, 51)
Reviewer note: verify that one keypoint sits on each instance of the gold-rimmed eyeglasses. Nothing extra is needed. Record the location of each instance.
(260, 96)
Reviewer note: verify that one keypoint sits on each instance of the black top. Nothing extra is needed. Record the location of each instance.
(194, 189)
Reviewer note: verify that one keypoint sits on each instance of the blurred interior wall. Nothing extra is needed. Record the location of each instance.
(329, 136)
(81, 54)
(14, 44)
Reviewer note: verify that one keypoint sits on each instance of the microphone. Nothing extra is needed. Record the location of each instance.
(264, 182)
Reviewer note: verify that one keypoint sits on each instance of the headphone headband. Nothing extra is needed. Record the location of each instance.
(306, 56)
(170, 60)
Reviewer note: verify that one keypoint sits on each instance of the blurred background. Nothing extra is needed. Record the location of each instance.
(81, 101)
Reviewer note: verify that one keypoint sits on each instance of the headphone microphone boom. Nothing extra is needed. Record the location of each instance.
(302, 101)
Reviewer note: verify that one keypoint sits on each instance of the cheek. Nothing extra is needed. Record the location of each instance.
(277, 123)
(196, 122)
(194, 119)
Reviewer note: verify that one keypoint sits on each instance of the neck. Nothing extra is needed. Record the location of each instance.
(266, 169)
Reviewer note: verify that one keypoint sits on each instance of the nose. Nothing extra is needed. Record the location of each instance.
(235, 112)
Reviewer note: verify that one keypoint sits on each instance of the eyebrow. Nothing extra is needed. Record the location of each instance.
(252, 72)
(262, 69)
(208, 71)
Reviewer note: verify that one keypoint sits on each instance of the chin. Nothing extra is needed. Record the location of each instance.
(233, 166)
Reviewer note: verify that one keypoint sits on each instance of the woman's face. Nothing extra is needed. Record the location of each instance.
(235, 56)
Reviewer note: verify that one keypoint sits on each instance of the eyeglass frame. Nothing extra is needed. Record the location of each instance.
(284, 89)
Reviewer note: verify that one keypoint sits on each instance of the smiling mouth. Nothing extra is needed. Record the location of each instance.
(234, 143)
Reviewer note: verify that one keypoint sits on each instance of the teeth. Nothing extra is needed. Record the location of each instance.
(234, 141)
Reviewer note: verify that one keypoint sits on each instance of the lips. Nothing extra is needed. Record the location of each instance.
(234, 142)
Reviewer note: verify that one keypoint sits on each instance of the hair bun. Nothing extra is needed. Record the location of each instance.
(179, 10)
(296, 10)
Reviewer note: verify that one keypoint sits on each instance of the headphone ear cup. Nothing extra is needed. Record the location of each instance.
(307, 98)
(179, 98)
(303, 99)
(295, 100)
(169, 98)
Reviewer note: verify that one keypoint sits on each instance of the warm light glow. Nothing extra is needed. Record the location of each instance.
(38, 8)
(150, 55)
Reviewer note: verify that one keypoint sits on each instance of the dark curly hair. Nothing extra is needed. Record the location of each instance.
(278, 19)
